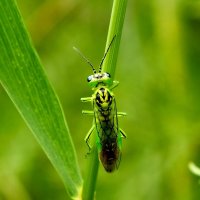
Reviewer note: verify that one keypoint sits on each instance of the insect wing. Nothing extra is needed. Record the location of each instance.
(108, 136)
(106, 122)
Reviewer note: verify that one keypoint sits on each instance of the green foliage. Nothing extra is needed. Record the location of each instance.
(115, 28)
(158, 70)
(23, 78)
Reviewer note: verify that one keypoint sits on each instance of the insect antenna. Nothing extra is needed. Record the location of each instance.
(80, 53)
(100, 66)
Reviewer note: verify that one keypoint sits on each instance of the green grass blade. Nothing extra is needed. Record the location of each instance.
(23, 78)
(115, 28)
(91, 176)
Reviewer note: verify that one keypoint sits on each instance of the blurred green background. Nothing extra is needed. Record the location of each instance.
(159, 72)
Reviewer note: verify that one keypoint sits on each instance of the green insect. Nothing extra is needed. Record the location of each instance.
(109, 135)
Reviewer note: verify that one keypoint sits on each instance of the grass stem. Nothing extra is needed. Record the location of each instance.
(115, 28)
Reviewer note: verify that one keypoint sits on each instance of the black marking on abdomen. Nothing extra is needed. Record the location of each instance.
(103, 96)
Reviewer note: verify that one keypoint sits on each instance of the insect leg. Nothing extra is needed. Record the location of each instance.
(121, 114)
(123, 133)
(119, 160)
(87, 112)
(86, 99)
(87, 137)
(114, 85)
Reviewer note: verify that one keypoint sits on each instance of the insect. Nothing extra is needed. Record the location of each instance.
(109, 135)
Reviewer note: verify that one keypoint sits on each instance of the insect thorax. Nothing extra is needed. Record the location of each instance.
(103, 99)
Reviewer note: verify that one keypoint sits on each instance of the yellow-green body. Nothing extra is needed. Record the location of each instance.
(109, 136)
(106, 123)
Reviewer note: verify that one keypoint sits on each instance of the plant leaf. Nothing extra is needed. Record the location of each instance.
(115, 28)
(23, 78)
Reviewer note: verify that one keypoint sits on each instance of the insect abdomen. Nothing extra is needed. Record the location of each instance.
(110, 155)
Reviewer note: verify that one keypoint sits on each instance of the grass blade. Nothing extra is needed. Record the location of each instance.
(115, 28)
(23, 78)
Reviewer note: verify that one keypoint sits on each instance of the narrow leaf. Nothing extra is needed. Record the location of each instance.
(115, 28)
(23, 78)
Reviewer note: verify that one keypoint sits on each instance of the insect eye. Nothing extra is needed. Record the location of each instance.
(107, 74)
(89, 78)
